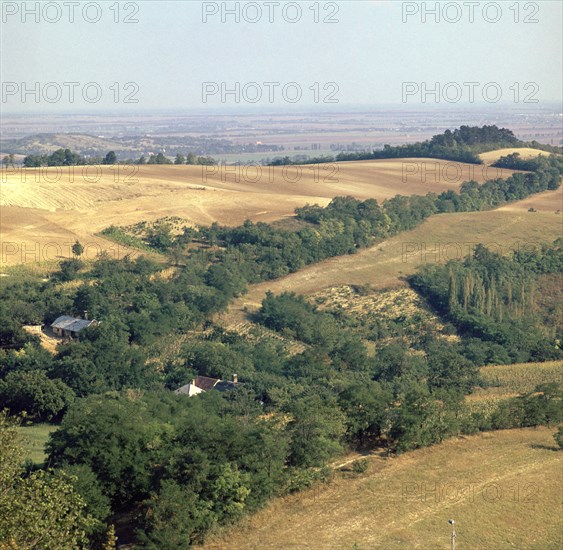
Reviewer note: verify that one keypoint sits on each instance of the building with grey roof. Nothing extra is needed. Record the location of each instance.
(69, 327)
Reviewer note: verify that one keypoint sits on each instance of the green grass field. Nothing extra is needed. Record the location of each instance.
(33, 439)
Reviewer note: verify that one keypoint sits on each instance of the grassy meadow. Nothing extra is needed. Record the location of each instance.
(33, 439)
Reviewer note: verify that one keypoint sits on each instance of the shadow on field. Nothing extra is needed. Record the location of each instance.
(544, 447)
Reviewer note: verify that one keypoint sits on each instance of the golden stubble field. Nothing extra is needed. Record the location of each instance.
(43, 211)
(524, 152)
(502, 488)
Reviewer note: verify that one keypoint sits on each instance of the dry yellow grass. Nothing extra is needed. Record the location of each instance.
(380, 179)
(39, 220)
(502, 488)
(548, 201)
(390, 304)
(525, 153)
(49, 340)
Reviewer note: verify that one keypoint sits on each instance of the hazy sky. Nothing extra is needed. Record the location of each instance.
(362, 59)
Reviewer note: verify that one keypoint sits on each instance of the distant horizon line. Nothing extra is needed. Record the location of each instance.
(547, 106)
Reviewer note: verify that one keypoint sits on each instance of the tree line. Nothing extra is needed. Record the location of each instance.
(515, 162)
(190, 159)
(463, 145)
(493, 299)
(66, 157)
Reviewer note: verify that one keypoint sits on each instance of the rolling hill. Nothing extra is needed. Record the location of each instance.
(49, 208)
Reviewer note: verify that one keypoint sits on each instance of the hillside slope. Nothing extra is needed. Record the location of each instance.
(46, 212)
(488, 483)
(525, 153)
(437, 239)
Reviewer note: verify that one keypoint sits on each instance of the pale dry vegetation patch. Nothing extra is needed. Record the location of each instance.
(525, 153)
(401, 308)
(511, 380)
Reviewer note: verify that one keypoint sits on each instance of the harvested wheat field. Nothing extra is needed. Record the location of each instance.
(548, 201)
(502, 488)
(438, 239)
(524, 152)
(43, 208)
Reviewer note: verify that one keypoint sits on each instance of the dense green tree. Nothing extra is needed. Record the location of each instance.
(41, 510)
(160, 237)
(541, 407)
(447, 368)
(175, 517)
(110, 158)
(102, 360)
(492, 298)
(117, 438)
(159, 158)
(365, 406)
(316, 429)
(31, 357)
(77, 248)
(33, 392)
(420, 419)
(394, 361)
(9, 160)
(217, 360)
(97, 504)
(69, 269)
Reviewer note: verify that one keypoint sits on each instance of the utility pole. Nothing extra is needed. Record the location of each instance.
(452, 523)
